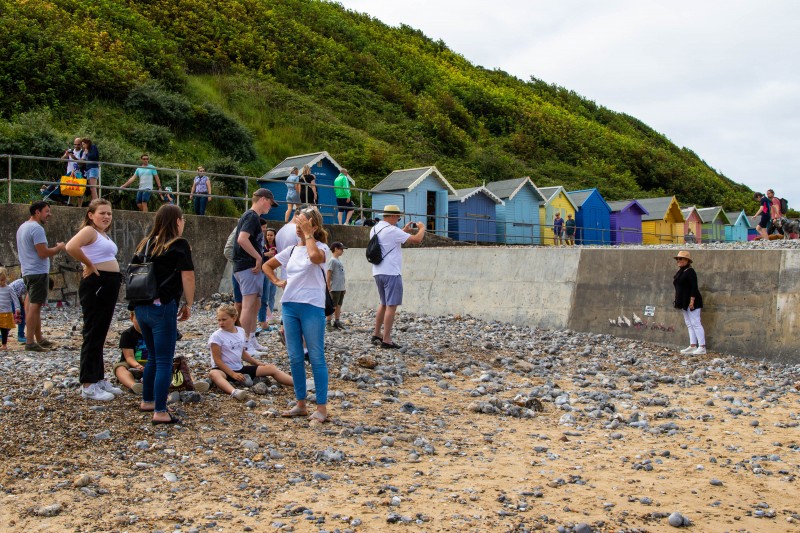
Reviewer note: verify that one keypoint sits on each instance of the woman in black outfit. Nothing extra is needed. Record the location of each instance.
(308, 186)
(172, 257)
(689, 300)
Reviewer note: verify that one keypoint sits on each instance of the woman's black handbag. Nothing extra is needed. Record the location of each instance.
(141, 284)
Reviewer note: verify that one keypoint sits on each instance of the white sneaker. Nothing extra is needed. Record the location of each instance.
(240, 395)
(93, 392)
(255, 345)
(699, 351)
(137, 388)
(108, 387)
(688, 349)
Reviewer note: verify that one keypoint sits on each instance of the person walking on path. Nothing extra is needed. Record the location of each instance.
(146, 173)
(303, 308)
(34, 259)
(308, 186)
(171, 256)
(336, 282)
(97, 292)
(569, 227)
(764, 211)
(248, 257)
(292, 194)
(558, 229)
(689, 300)
(201, 192)
(344, 200)
(387, 274)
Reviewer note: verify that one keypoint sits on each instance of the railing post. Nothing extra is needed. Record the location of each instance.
(9, 178)
(178, 188)
(99, 180)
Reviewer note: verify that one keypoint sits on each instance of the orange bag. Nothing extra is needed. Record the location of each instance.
(73, 186)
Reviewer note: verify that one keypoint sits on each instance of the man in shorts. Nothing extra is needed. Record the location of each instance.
(764, 210)
(344, 201)
(387, 273)
(146, 173)
(247, 259)
(34, 260)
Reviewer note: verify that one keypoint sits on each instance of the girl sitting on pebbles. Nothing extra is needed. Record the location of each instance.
(227, 353)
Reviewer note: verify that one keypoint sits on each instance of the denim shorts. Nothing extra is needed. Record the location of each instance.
(93, 173)
(250, 283)
(292, 197)
(143, 196)
(390, 289)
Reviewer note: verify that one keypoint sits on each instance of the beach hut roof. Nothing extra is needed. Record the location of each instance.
(621, 205)
(550, 193)
(282, 169)
(579, 197)
(710, 214)
(507, 189)
(408, 179)
(734, 217)
(462, 195)
(657, 207)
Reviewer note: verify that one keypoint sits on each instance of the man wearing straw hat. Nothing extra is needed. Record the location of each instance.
(387, 273)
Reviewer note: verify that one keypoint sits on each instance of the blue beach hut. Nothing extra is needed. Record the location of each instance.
(473, 215)
(323, 166)
(518, 215)
(421, 193)
(593, 217)
(737, 230)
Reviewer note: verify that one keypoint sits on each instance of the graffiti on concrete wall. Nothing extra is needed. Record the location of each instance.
(622, 321)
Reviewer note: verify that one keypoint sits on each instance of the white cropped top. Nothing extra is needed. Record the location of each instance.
(101, 250)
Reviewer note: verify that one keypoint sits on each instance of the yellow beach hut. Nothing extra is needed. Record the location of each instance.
(665, 223)
(556, 200)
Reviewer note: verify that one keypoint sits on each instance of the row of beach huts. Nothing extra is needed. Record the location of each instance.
(516, 211)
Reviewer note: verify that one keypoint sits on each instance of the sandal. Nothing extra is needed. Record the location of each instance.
(294, 412)
(390, 345)
(172, 420)
(318, 417)
(375, 339)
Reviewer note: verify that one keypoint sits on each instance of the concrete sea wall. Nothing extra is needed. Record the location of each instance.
(751, 296)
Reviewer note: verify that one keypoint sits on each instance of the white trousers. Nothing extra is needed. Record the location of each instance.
(696, 333)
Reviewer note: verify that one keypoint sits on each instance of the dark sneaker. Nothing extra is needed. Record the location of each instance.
(46, 343)
(338, 324)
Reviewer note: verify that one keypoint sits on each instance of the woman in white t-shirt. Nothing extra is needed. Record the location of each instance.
(228, 350)
(303, 308)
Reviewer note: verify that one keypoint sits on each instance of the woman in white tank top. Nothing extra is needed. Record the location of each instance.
(98, 292)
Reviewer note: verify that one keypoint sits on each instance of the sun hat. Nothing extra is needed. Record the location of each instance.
(683, 254)
(390, 210)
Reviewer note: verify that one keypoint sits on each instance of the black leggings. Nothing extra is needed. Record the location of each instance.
(4, 332)
(98, 297)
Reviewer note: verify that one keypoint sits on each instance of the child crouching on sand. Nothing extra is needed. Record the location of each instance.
(227, 353)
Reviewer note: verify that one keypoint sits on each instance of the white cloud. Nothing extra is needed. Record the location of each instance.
(719, 77)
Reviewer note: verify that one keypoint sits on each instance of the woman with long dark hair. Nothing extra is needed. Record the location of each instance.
(303, 308)
(172, 259)
(97, 292)
(308, 186)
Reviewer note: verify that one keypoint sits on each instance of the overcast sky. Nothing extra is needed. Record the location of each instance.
(721, 78)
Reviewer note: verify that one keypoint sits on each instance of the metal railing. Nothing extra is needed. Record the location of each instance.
(480, 226)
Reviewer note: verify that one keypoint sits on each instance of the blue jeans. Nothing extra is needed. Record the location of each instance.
(160, 331)
(267, 299)
(306, 321)
(200, 202)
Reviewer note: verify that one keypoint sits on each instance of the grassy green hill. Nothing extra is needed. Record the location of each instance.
(237, 85)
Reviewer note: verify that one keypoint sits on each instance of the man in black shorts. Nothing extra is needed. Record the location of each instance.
(764, 212)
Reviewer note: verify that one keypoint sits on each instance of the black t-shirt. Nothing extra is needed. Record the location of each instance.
(249, 222)
(133, 340)
(168, 266)
(306, 193)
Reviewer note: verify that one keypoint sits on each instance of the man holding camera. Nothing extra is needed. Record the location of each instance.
(387, 273)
